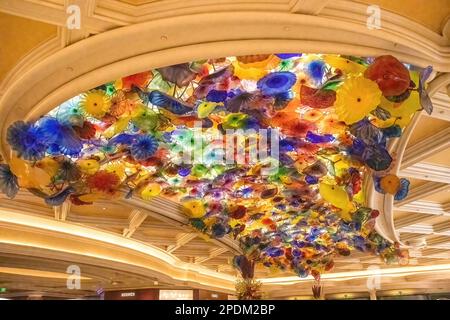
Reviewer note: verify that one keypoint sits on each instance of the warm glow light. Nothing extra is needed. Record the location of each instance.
(10, 216)
(37, 273)
(341, 276)
(176, 295)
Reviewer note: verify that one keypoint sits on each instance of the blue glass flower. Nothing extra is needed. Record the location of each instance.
(357, 147)
(184, 171)
(287, 145)
(143, 147)
(377, 158)
(51, 132)
(276, 82)
(288, 55)
(69, 113)
(285, 160)
(8, 181)
(60, 197)
(53, 149)
(169, 103)
(275, 252)
(214, 156)
(365, 131)
(376, 184)
(123, 138)
(316, 70)
(394, 131)
(301, 272)
(311, 180)
(24, 138)
(403, 191)
(317, 138)
(217, 96)
(359, 243)
(218, 230)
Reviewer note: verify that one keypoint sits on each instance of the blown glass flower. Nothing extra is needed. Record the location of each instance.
(356, 98)
(8, 181)
(95, 103)
(103, 181)
(390, 74)
(277, 82)
(25, 138)
(293, 207)
(143, 147)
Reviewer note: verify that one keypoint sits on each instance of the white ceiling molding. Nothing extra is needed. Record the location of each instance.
(441, 106)
(426, 207)
(135, 220)
(426, 148)
(163, 262)
(424, 229)
(54, 13)
(308, 6)
(427, 171)
(423, 191)
(182, 239)
(159, 208)
(411, 220)
(212, 254)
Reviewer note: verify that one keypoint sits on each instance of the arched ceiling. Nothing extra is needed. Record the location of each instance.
(424, 215)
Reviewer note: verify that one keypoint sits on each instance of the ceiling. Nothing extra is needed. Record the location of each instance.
(433, 15)
(422, 218)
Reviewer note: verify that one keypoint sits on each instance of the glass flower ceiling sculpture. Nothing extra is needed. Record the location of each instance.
(169, 132)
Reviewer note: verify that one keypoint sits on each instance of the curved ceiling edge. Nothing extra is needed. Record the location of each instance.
(157, 43)
(162, 262)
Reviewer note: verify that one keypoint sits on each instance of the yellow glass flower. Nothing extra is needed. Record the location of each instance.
(401, 113)
(345, 65)
(88, 166)
(255, 70)
(95, 103)
(312, 115)
(120, 125)
(337, 196)
(194, 208)
(356, 98)
(150, 191)
(331, 124)
(118, 168)
(390, 184)
(29, 176)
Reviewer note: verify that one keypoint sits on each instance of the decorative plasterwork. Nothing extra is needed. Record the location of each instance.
(159, 261)
(427, 171)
